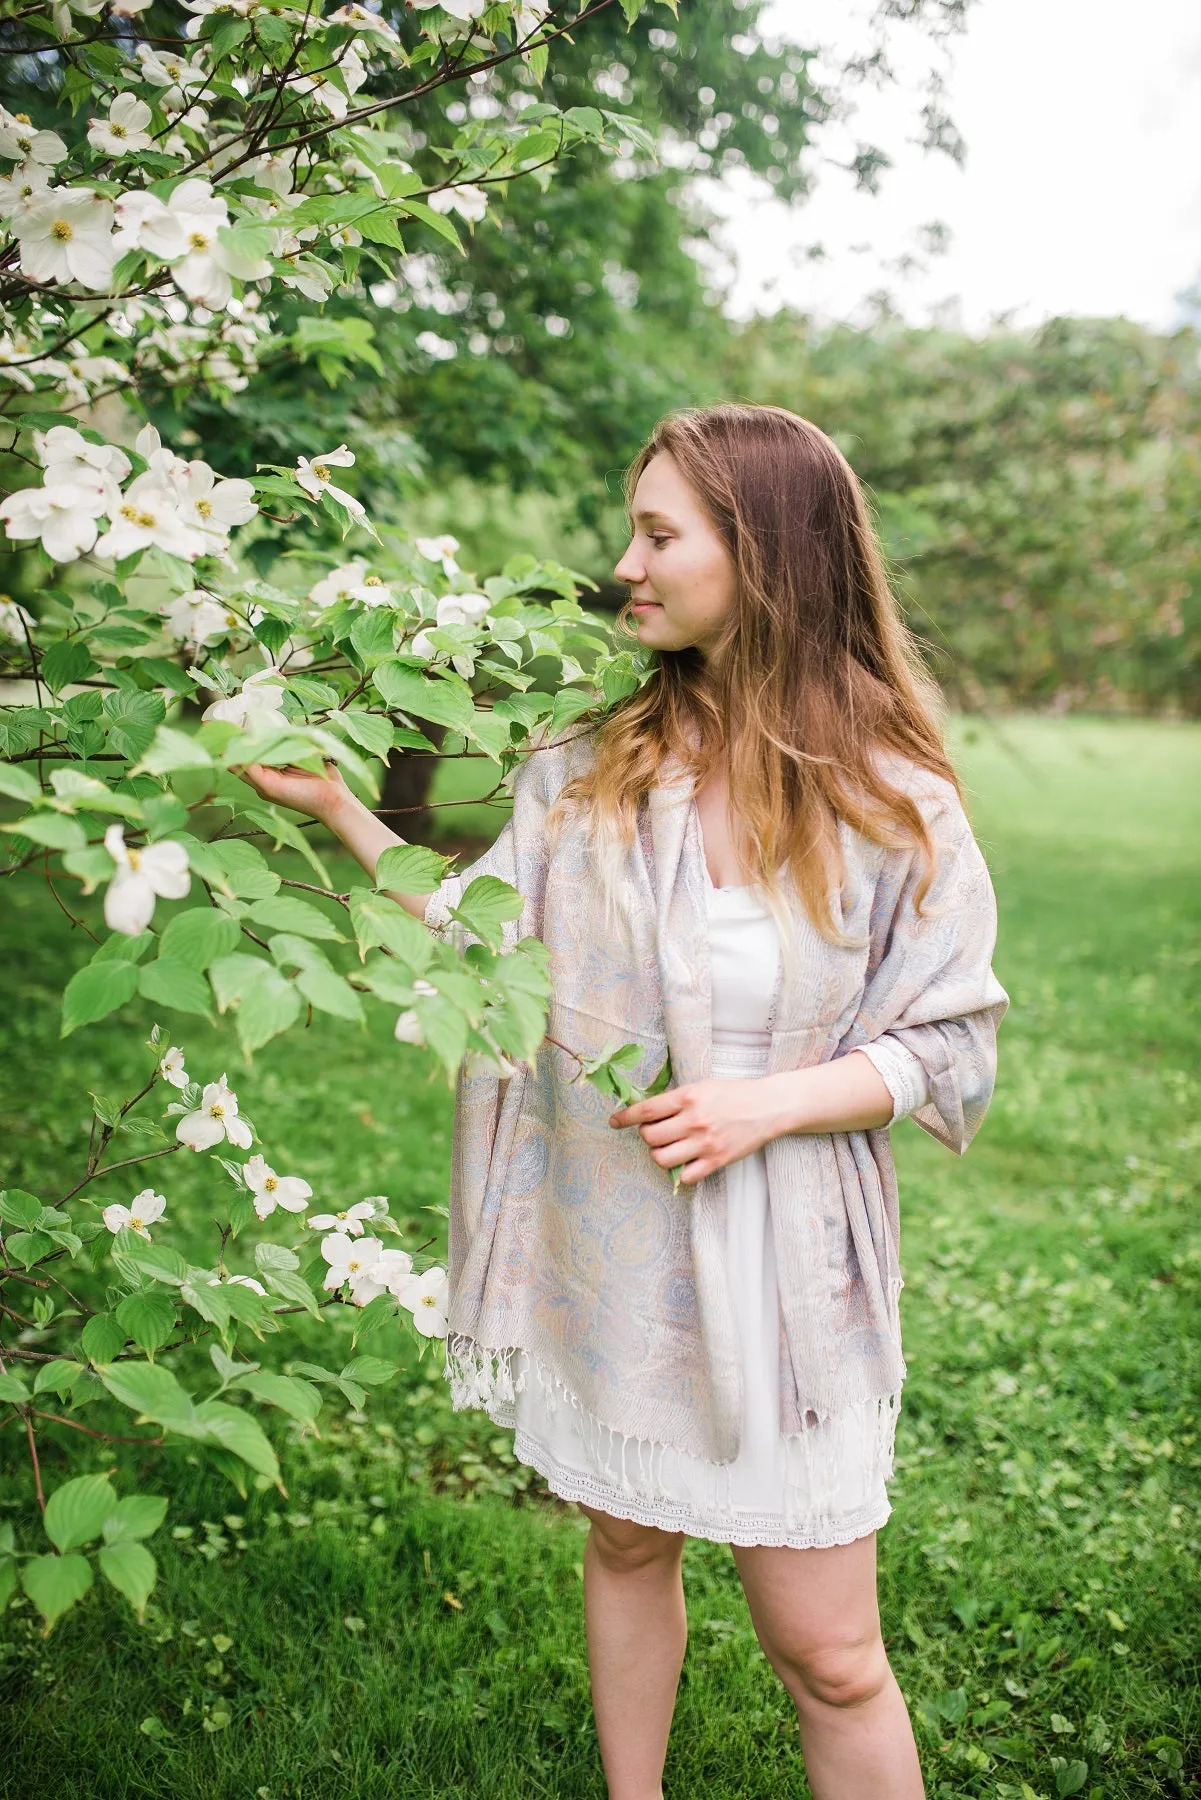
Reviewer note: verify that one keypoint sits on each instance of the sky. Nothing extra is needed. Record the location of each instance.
(1081, 191)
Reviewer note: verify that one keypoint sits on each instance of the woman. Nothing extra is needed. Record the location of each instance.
(760, 864)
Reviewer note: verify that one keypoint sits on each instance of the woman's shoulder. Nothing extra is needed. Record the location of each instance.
(551, 762)
(930, 790)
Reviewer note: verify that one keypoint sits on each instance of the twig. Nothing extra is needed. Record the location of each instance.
(107, 1437)
(33, 1457)
(109, 1168)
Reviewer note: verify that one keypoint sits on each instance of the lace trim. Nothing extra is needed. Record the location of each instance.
(811, 1516)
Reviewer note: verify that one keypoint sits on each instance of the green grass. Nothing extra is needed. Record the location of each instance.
(1038, 1576)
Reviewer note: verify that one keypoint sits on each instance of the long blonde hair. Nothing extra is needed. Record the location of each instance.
(814, 673)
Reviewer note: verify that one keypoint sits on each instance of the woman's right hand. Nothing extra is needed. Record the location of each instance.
(321, 797)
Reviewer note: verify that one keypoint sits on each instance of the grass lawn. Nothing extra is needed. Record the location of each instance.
(408, 1622)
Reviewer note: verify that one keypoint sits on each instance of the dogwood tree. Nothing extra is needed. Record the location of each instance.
(192, 169)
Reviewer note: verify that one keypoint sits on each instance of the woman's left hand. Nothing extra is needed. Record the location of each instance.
(704, 1125)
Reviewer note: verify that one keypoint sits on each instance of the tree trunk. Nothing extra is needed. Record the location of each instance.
(403, 801)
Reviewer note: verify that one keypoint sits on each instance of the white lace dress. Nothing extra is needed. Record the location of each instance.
(826, 1486)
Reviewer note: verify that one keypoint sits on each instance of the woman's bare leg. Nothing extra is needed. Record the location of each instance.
(816, 1616)
(634, 1608)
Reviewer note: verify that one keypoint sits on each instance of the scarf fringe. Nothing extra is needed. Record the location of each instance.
(627, 1473)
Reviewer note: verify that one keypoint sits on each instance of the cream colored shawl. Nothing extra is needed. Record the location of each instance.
(566, 1239)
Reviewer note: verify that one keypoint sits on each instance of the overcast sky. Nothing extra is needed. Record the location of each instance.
(1081, 191)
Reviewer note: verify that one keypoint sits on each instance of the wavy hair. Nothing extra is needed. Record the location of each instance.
(814, 674)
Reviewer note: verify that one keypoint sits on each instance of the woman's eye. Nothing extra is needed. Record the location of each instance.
(659, 539)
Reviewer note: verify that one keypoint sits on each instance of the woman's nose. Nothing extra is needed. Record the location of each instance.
(629, 569)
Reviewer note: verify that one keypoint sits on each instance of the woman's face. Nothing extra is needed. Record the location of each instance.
(680, 575)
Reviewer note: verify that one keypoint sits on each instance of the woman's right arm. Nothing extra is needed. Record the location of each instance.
(327, 799)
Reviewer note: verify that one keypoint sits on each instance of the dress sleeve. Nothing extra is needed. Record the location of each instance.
(903, 1074)
(931, 991)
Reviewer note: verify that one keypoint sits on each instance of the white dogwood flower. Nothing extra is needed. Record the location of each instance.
(271, 1190)
(351, 1260)
(143, 877)
(469, 201)
(171, 1067)
(196, 618)
(177, 73)
(21, 188)
(124, 132)
(466, 10)
(14, 619)
(408, 1026)
(142, 1211)
(316, 479)
(67, 235)
(428, 1299)
(215, 1119)
(463, 609)
(350, 1221)
(20, 140)
(339, 584)
(66, 455)
(238, 1280)
(261, 698)
(149, 514)
(63, 515)
(214, 504)
(245, 1280)
(439, 550)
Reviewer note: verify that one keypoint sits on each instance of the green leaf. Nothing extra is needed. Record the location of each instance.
(91, 865)
(55, 830)
(198, 937)
(169, 981)
(446, 702)
(97, 990)
(236, 1431)
(20, 785)
(410, 869)
(102, 1338)
(13, 1391)
(284, 913)
(66, 662)
(55, 1583)
(299, 1399)
(58, 1377)
(371, 731)
(269, 1257)
(151, 1392)
(378, 920)
(487, 903)
(28, 1247)
(372, 1371)
(171, 751)
(21, 1209)
(158, 1261)
(149, 1319)
(330, 993)
(131, 1570)
(292, 1288)
(263, 1001)
(133, 716)
(136, 1516)
(75, 1513)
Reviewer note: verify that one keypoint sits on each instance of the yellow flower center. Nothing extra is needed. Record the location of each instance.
(61, 231)
(373, 581)
(271, 1183)
(118, 131)
(23, 118)
(198, 240)
(135, 859)
(428, 1300)
(135, 1222)
(216, 1110)
(205, 508)
(321, 472)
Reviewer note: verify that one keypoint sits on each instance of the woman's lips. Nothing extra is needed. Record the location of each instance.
(644, 605)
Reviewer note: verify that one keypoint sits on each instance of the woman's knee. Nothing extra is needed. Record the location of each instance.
(623, 1547)
(843, 1674)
